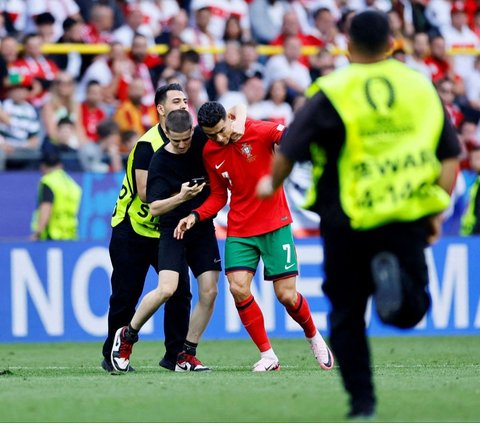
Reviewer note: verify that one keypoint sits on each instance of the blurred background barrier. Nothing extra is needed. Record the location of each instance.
(58, 291)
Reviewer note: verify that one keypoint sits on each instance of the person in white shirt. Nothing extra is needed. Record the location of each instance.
(459, 35)
(415, 60)
(286, 66)
(134, 24)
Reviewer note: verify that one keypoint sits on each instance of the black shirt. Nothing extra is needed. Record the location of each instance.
(168, 171)
(318, 122)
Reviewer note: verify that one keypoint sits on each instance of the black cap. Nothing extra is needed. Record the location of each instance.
(45, 18)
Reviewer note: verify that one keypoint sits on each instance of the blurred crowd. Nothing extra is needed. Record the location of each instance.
(92, 108)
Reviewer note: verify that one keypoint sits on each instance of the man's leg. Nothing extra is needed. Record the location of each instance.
(130, 261)
(348, 287)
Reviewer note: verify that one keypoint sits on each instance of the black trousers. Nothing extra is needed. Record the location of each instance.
(349, 284)
(132, 255)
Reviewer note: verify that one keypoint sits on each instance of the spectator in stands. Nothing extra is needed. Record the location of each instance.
(92, 110)
(63, 104)
(158, 13)
(472, 85)
(58, 200)
(172, 35)
(291, 28)
(445, 88)
(233, 30)
(190, 65)
(221, 11)
(275, 108)
(37, 66)
(170, 66)
(266, 19)
(72, 62)
(104, 155)
(65, 142)
(227, 74)
(416, 60)
(438, 60)
(98, 28)
(196, 95)
(127, 141)
(288, 67)
(249, 62)
(44, 26)
(19, 132)
(15, 14)
(321, 63)
(199, 35)
(400, 40)
(132, 113)
(87, 6)
(459, 35)
(133, 25)
(59, 9)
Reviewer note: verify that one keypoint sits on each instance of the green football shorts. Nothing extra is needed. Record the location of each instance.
(276, 249)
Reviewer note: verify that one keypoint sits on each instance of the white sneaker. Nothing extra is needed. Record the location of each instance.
(266, 364)
(321, 352)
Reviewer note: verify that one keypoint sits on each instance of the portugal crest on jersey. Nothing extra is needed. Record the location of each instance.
(246, 150)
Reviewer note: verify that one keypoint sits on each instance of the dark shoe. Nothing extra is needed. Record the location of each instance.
(388, 286)
(121, 350)
(189, 363)
(107, 366)
(361, 415)
(167, 364)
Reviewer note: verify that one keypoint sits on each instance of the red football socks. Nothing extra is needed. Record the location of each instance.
(252, 318)
(300, 312)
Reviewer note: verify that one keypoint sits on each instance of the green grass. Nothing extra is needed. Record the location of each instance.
(417, 379)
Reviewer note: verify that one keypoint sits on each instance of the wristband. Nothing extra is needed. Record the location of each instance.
(196, 216)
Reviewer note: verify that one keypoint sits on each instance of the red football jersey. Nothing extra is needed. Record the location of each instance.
(237, 167)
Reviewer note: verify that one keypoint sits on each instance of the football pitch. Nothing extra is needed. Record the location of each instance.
(417, 379)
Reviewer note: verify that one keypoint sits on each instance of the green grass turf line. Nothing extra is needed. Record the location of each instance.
(417, 379)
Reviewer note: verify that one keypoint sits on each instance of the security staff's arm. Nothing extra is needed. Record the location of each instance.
(141, 161)
(282, 166)
(159, 207)
(44, 211)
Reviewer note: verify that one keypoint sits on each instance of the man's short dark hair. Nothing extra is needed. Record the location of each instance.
(370, 31)
(161, 93)
(107, 128)
(210, 114)
(178, 121)
(50, 159)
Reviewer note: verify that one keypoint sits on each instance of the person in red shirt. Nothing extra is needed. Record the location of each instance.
(92, 113)
(255, 228)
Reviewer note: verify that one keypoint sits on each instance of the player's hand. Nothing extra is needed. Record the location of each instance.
(434, 226)
(265, 187)
(238, 129)
(184, 225)
(188, 192)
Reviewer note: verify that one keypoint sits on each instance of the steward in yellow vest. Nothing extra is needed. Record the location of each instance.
(471, 218)
(385, 160)
(56, 217)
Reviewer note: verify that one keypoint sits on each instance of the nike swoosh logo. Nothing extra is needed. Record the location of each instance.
(329, 362)
(219, 165)
(289, 266)
(216, 260)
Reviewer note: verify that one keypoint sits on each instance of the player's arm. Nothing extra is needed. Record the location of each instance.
(187, 192)
(238, 115)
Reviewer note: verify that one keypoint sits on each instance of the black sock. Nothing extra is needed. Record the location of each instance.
(190, 348)
(131, 334)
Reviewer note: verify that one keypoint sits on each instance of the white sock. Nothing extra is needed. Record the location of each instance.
(269, 354)
(316, 337)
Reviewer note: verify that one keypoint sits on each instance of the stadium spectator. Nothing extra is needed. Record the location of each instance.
(132, 113)
(105, 154)
(373, 242)
(158, 13)
(34, 64)
(459, 35)
(275, 108)
(400, 40)
(438, 60)
(98, 28)
(446, 91)
(9, 50)
(59, 9)
(253, 227)
(416, 60)
(249, 61)
(72, 62)
(92, 110)
(133, 25)
(196, 94)
(472, 85)
(134, 242)
(221, 10)
(233, 30)
(227, 74)
(171, 36)
(62, 103)
(15, 12)
(19, 134)
(59, 198)
(198, 35)
(170, 65)
(322, 63)
(44, 26)
(171, 195)
(287, 66)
